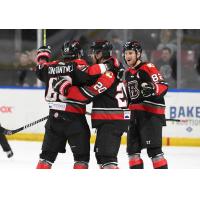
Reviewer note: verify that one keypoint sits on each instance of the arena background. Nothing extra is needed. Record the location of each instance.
(176, 52)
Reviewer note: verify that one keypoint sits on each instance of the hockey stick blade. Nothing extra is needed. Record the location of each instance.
(11, 132)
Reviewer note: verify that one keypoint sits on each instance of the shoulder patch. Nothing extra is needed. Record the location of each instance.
(109, 74)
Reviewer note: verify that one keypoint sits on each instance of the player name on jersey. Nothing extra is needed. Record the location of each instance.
(60, 69)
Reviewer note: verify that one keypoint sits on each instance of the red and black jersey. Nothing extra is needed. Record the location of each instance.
(73, 71)
(77, 72)
(109, 99)
(146, 72)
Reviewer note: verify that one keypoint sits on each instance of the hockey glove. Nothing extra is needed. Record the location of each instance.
(118, 70)
(61, 86)
(44, 53)
(148, 89)
(120, 74)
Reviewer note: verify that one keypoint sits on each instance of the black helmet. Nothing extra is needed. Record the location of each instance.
(103, 46)
(71, 49)
(132, 45)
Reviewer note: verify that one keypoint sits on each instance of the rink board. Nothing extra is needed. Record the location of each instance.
(167, 141)
(20, 106)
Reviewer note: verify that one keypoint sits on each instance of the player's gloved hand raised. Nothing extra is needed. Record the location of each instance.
(61, 86)
(120, 73)
(44, 52)
(148, 89)
(117, 68)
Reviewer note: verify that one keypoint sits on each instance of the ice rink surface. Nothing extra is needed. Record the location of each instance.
(26, 155)
(20, 180)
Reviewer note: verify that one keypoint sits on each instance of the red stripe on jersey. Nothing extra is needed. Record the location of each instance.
(75, 109)
(106, 116)
(147, 108)
(75, 94)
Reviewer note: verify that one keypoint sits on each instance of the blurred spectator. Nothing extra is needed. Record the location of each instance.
(189, 76)
(144, 56)
(196, 49)
(24, 64)
(117, 46)
(167, 66)
(84, 42)
(198, 65)
(167, 40)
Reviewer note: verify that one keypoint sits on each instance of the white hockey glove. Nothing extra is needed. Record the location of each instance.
(44, 52)
(62, 86)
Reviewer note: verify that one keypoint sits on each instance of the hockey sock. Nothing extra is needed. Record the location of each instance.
(135, 162)
(109, 165)
(159, 162)
(80, 165)
(44, 164)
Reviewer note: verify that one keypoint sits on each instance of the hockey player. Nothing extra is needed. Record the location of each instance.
(67, 122)
(4, 144)
(109, 114)
(146, 89)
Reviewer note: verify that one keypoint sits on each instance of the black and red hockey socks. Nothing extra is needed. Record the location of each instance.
(135, 162)
(109, 165)
(80, 165)
(159, 162)
(44, 164)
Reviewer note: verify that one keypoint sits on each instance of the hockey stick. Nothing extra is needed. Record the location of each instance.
(44, 37)
(177, 120)
(11, 132)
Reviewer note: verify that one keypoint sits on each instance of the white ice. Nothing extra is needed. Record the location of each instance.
(20, 180)
(26, 155)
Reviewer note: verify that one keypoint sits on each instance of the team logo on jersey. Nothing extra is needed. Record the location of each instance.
(133, 90)
(109, 74)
